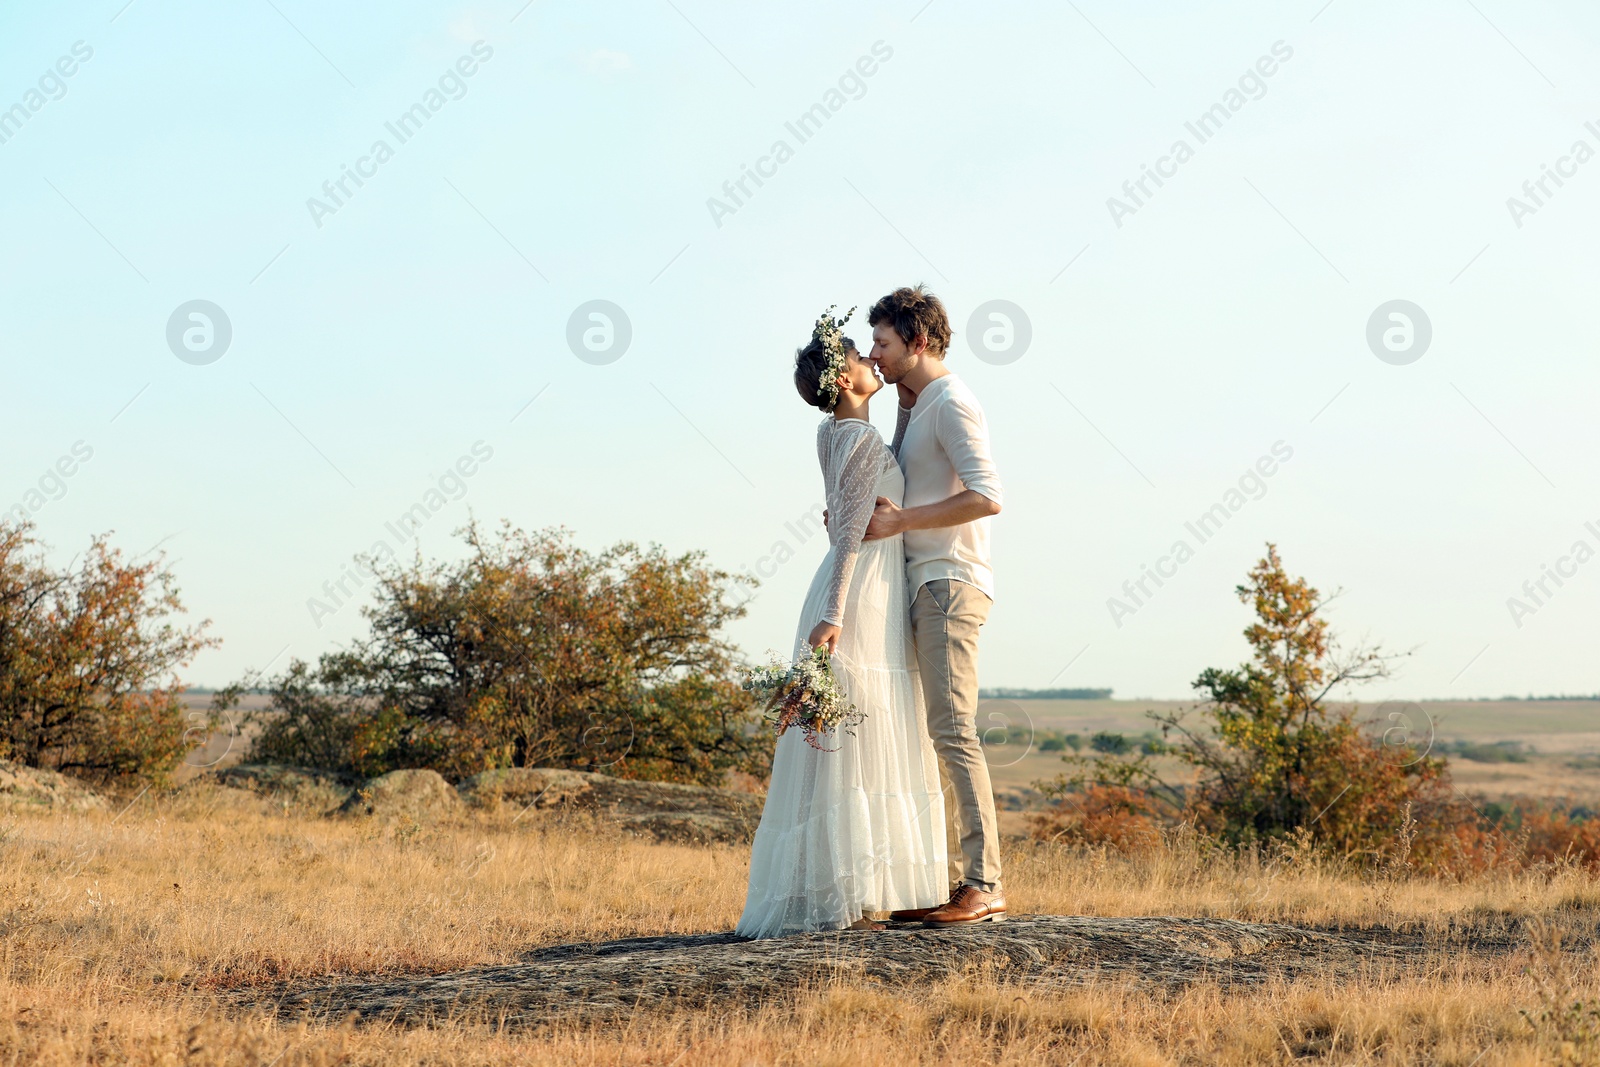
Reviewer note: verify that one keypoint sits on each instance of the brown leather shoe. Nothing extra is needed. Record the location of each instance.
(968, 904)
(911, 915)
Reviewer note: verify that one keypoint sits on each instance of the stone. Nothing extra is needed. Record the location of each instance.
(526, 787)
(415, 794)
(32, 789)
(666, 811)
(300, 786)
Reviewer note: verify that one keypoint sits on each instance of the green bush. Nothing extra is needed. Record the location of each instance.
(1111, 744)
(1491, 752)
(1151, 744)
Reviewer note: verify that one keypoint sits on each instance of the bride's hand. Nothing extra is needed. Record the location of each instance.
(824, 633)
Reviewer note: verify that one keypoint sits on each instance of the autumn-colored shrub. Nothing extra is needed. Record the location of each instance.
(1272, 759)
(1125, 820)
(1549, 834)
(530, 652)
(89, 657)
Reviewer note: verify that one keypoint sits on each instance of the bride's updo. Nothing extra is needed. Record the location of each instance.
(809, 363)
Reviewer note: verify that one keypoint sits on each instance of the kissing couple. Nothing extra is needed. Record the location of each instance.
(898, 602)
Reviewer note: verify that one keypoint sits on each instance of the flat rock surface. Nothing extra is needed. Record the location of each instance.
(609, 979)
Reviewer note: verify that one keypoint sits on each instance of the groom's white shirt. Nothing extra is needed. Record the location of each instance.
(945, 449)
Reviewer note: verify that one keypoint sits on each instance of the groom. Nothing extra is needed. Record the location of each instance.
(942, 443)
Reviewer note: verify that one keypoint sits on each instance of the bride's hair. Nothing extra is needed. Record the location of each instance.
(809, 363)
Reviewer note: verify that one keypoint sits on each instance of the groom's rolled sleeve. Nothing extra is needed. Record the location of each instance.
(964, 436)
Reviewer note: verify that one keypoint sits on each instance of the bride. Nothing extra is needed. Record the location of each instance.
(860, 828)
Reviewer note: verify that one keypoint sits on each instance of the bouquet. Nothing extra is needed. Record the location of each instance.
(803, 694)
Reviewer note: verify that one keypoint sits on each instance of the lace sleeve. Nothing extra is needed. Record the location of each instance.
(902, 420)
(855, 460)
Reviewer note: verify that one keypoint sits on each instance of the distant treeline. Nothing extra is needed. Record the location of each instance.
(1045, 694)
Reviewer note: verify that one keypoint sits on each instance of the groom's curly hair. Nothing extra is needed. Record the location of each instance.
(808, 366)
(914, 313)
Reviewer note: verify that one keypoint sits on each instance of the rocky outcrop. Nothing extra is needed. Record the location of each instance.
(300, 786)
(31, 789)
(615, 979)
(663, 810)
(533, 789)
(415, 794)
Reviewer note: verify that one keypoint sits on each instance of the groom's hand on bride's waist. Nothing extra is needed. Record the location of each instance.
(887, 520)
(966, 506)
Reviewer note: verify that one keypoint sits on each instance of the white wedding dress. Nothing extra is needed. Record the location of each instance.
(861, 828)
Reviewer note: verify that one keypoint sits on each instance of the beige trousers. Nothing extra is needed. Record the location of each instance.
(945, 618)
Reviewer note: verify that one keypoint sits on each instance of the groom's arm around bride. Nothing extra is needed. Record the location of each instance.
(952, 490)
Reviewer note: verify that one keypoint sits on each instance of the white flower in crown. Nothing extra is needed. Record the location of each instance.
(830, 331)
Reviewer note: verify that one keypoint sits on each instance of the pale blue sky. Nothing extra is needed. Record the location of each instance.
(369, 354)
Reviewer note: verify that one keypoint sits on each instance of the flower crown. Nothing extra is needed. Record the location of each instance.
(829, 331)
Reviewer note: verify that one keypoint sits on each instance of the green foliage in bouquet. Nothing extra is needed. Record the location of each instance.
(804, 694)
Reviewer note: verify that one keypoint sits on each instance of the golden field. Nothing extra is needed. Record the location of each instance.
(1560, 738)
(126, 936)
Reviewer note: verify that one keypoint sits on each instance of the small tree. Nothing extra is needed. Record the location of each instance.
(1271, 757)
(530, 652)
(88, 662)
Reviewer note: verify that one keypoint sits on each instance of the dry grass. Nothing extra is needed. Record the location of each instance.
(1440, 1021)
(115, 930)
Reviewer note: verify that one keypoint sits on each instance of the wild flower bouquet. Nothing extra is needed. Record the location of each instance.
(804, 694)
